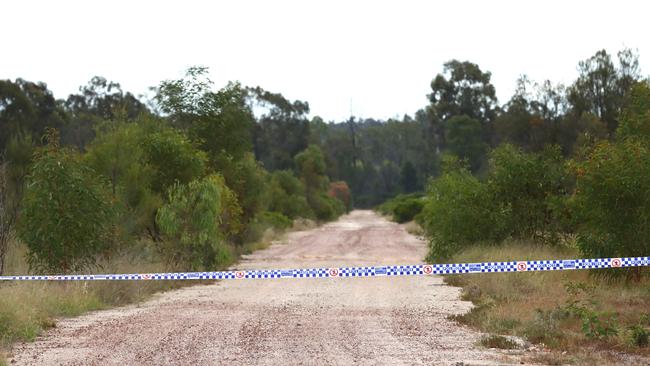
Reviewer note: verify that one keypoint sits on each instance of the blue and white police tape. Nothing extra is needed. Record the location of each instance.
(372, 271)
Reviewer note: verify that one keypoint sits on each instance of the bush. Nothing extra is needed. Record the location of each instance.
(325, 207)
(459, 212)
(388, 207)
(173, 158)
(276, 220)
(407, 210)
(612, 202)
(287, 196)
(525, 186)
(341, 191)
(639, 336)
(66, 217)
(190, 223)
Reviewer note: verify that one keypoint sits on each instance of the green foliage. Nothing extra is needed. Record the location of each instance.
(458, 213)
(173, 159)
(117, 153)
(403, 207)
(465, 139)
(66, 218)
(276, 220)
(190, 223)
(249, 180)
(595, 324)
(287, 196)
(310, 165)
(409, 177)
(612, 201)
(602, 87)
(406, 211)
(525, 186)
(311, 168)
(639, 335)
(282, 130)
(28, 109)
(326, 208)
(635, 119)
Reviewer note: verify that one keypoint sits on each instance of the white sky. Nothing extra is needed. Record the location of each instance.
(379, 55)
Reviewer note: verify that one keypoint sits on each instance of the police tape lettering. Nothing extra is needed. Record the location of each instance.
(370, 271)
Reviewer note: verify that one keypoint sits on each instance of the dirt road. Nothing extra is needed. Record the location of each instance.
(378, 321)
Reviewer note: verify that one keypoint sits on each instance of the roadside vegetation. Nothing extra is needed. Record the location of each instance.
(102, 183)
(197, 175)
(528, 195)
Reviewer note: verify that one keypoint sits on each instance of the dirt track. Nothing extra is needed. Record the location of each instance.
(378, 321)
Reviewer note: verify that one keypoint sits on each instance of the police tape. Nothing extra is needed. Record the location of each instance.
(372, 271)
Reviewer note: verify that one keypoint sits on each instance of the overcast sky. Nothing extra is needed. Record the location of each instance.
(377, 56)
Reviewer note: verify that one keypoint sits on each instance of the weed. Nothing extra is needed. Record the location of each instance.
(545, 328)
(639, 336)
(497, 341)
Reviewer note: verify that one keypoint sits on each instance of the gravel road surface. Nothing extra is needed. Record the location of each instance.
(326, 321)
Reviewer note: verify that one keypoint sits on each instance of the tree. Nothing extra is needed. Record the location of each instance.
(612, 201)
(409, 178)
(458, 213)
(311, 168)
(98, 101)
(173, 158)
(612, 196)
(462, 89)
(287, 195)
(7, 215)
(635, 119)
(601, 87)
(27, 108)
(464, 138)
(190, 222)
(282, 130)
(14, 166)
(525, 186)
(66, 217)
(118, 154)
(249, 180)
(219, 122)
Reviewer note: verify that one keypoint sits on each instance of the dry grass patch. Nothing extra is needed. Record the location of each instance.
(563, 310)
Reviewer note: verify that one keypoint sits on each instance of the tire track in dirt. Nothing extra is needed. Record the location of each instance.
(360, 321)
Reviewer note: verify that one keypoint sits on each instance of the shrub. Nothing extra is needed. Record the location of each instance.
(287, 195)
(341, 191)
(525, 186)
(639, 336)
(325, 207)
(407, 210)
(173, 158)
(458, 213)
(612, 202)
(276, 220)
(190, 223)
(388, 207)
(66, 217)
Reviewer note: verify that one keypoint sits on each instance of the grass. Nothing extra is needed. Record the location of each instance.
(572, 311)
(29, 308)
(497, 341)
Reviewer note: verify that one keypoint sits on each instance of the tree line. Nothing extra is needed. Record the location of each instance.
(259, 158)
(101, 174)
